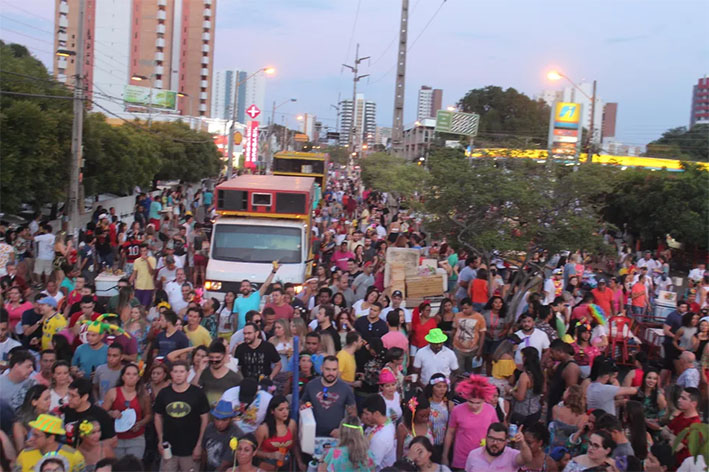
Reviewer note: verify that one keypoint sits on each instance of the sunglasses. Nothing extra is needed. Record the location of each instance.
(324, 393)
(215, 361)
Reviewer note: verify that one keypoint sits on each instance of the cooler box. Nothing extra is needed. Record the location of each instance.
(306, 431)
(107, 284)
(665, 303)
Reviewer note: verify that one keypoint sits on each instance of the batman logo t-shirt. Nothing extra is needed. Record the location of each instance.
(180, 413)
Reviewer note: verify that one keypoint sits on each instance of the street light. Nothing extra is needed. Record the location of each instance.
(232, 129)
(558, 75)
(183, 95)
(451, 108)
(299, 118)
(139, 78)
(270, 129)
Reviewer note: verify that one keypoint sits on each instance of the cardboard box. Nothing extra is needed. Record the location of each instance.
(420, 287)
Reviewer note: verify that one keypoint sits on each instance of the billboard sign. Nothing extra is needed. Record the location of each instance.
(251, 144)
(454, 122)
(565, 130)
(136, 95)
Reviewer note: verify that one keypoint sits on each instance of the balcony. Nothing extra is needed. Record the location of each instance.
(206, 24)
(159, 70)
(203, 95)
(162, 14)
(205, 48)
(63, 21)
(162, 3)
(158, 84)
(63, 7)
(206, 36)
(202, 107)
(62, 36)
(160, 42)
(204, 72)
(61, 63)
(207, 13)
(159, 56)
(207, 3)
(61, 77)
(160, 29)
(205, 60)
(203, 83)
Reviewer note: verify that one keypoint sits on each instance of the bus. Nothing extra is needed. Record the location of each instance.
(304, 164)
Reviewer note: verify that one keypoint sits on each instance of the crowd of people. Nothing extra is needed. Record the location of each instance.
(164, 377)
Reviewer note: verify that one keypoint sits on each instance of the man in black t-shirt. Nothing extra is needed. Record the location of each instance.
(80, 408)
(181, 417)
(256, 356)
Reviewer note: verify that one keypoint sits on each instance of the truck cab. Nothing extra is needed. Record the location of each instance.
(261, 219)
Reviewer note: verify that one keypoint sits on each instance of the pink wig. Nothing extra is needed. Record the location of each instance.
(475, 387)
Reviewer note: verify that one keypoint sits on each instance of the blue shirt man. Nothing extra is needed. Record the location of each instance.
(248, 300)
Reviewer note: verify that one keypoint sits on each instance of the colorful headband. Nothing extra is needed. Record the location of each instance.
(98, 326)
(352, 426)
(440, 380)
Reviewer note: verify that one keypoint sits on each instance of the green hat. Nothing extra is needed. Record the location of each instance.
(436, 336)
(49, 424)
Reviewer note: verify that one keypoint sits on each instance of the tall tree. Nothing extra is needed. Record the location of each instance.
(387, 173)
(681, 143)
(185, 154)
(508, 118)
(514, 206)
(35, 130)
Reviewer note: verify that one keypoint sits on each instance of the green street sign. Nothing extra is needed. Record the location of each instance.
(454, 122)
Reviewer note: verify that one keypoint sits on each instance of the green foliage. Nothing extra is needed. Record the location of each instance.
(338, 154)
(515, 205)
(387, 173)
(508, 118)
(36, 132)
(36, 142)
(697, 436)
(681, 143)
(654, 204)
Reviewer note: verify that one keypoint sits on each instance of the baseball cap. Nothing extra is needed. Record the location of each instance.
(48, 301)
(557, 272)
(397, 293)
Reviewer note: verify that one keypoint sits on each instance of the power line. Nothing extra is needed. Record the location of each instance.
(352, 35)
(26, 24)
(38, 95)
(32, 14)
(427, 25)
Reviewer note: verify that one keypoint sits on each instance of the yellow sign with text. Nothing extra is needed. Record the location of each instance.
(567, 112)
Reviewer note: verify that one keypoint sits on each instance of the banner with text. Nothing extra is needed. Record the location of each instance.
(251, 144)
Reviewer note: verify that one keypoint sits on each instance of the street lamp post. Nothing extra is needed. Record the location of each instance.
(270, 130)
(232, 128)
(556, 75)
(150, 94)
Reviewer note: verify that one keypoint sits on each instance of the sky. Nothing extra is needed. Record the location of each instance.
(645, 54)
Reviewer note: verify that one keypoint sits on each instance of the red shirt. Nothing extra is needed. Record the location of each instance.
(478, 291)
(420, 331)
(603, 299)
(75, 317)
(677, 424)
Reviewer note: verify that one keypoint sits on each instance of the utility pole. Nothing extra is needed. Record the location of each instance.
(351, 143)
(589, 148)
(77, 131)
(232, 129)
(397, 129)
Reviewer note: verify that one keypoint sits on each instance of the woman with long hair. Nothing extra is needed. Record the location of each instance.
(322, 273)
(88, 442)
(16, 305)
(497, 324)
(62, 348)
(128, 395)
(584, 352)
(415, 422)
(343, 323)
(361, 307)
(422, 322)
(503, 359)
(438, 392)
(685, 339)
(137, 327)
(527, 392)
(225, 316)
(568, 416)
(37, 401)
(423, 454)
(338, 300)
(598, 457)
(277, 437)
(300, 329)
(652, 399)
(283, 341)
(636, 428)
(352, 452)
(445, 316)
(306, 371)
(123, 306)
(359, 255)
(59, 393)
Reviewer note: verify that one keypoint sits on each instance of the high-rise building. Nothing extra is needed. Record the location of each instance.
(250, 92)
(308, 128)
(610, 113)
(160, 44)
(429, 102)
(700, 103)
(572, 94)
(365, 125)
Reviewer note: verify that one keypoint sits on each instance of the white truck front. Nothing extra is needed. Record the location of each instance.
(244, 249)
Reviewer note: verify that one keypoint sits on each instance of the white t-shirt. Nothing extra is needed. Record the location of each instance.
(444, 361)
(358, 310)
(383, 446)
(59, 296)
(6, 346)
(393, 407)
(255, 412)
(407, 313)
(45, 246)
(550, 291)
(538, 339)
(174, 294)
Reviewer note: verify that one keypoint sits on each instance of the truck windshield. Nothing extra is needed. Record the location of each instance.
(245, 243)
